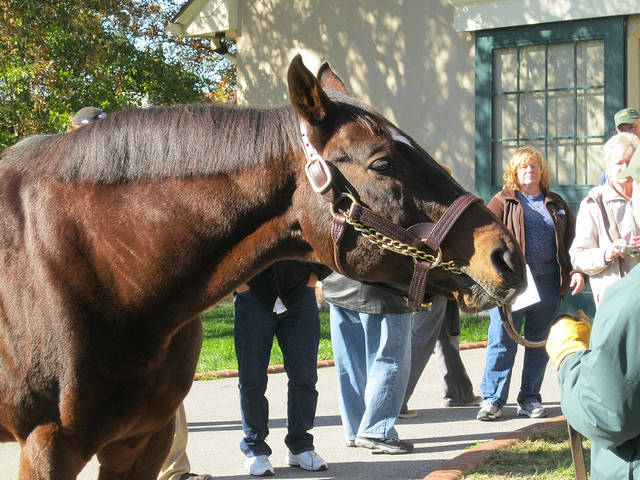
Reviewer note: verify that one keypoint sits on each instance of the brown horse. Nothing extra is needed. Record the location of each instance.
(114, 237)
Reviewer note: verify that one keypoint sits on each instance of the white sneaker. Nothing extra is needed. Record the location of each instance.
(259, 466)
(532, 409)
(308, 460)
(488, 411)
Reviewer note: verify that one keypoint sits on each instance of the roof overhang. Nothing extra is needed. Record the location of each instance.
(206, 18)
(472, 15)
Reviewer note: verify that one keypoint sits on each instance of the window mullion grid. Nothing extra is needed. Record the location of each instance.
(518, 94)
(546, 104)
(575, 116)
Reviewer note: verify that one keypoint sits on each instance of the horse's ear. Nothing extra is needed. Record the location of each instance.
(328, 78)
(307, 96)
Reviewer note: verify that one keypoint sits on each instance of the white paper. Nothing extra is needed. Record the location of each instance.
(529, 296)
(279, 307)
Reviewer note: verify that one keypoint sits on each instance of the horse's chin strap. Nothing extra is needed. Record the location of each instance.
(380, 231)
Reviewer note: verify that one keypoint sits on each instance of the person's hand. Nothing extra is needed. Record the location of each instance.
(568, 334)
(616, 249)
(577, 281)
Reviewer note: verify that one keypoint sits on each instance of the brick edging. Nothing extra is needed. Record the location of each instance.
(321, 363)
(473, 346)
(458, 467)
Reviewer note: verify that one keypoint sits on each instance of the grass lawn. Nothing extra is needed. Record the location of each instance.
(218, 352)
(546, 455)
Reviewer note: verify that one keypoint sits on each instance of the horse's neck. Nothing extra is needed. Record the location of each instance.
(205, 236)
(258, 228)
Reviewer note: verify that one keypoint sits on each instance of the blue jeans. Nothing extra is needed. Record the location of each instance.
(501, 349)
(372, 355)
(298, 333)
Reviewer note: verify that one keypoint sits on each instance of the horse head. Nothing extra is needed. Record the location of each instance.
(358, 159)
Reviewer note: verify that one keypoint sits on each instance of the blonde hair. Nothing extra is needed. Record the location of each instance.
(620, 145)
(523, 155)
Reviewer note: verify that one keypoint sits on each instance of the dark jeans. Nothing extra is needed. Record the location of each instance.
(298, 334)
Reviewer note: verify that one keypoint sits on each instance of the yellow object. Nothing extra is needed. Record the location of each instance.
(569, 334)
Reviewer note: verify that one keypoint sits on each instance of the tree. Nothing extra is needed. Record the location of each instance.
(57, 56)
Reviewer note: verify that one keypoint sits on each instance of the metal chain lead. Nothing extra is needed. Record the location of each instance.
(387, 243)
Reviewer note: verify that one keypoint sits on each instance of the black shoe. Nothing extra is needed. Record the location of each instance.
(392, 446)
(195, 476)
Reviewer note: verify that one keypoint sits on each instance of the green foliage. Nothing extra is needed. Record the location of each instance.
(473, 328)
(218, 351)
(57, 56)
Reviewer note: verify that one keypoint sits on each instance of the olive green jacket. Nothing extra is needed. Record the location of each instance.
(601, 386)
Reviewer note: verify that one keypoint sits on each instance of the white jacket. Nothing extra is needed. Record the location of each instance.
(588, 247)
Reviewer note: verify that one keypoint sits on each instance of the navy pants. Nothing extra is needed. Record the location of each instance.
(298, 334)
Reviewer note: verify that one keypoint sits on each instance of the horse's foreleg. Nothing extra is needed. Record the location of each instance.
(47, 455)
(141, 459)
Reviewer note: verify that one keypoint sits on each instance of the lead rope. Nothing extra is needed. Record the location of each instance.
(507, 322)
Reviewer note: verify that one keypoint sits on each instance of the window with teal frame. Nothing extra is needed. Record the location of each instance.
(555, 87)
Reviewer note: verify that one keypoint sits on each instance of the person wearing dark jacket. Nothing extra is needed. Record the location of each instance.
(280, 301)
(544, 226)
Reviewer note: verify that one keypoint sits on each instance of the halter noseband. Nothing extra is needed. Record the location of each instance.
(380, 231)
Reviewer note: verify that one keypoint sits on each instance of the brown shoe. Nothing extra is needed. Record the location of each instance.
(406, 413)
(477, 399)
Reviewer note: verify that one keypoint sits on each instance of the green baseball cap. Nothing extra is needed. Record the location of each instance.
(633, 170)
(628, 115)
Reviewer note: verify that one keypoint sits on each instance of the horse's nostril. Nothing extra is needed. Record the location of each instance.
(509, 265)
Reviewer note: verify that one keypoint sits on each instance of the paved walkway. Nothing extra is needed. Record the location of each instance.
(439, 434)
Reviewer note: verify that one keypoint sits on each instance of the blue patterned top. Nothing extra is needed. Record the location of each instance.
(539, 235)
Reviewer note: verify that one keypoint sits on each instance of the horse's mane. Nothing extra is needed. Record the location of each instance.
(162, 142)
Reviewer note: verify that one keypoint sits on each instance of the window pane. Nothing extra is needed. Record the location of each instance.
(532, 115)
(561, 114)
(589, 162)
(590, 63)
(591, 113)
(561, 61)
(505, 70)
(501, 153)
(505, 116)
(561, 160)
(532, 67)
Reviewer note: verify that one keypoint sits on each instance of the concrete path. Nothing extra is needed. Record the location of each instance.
(439, 434)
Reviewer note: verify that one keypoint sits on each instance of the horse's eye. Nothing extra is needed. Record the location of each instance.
(382, 165)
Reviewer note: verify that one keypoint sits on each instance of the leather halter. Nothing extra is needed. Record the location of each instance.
(380, 231)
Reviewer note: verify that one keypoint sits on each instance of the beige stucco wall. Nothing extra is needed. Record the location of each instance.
(403, 56)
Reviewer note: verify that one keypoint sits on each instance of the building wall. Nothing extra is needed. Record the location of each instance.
(402, 56)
